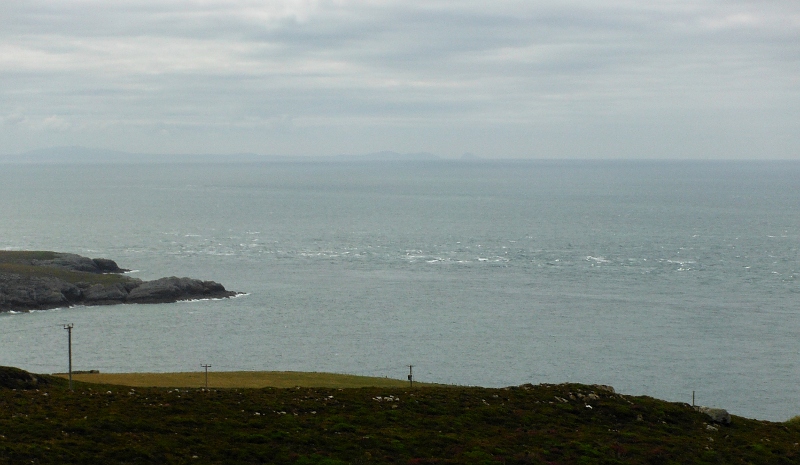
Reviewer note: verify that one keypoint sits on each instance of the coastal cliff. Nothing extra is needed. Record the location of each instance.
(39, 280)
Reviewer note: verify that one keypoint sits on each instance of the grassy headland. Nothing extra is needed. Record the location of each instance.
(40, 280)
(69, 276)
(24, 263)
(239, 379)
(568, 423)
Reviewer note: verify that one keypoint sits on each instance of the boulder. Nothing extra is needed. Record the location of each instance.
(603, 387)
(717, 415)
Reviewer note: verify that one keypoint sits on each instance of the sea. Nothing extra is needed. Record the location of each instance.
(660, 278)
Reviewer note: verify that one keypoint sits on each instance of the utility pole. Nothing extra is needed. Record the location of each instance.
(68, 327)
(206, 367)
(411, 375)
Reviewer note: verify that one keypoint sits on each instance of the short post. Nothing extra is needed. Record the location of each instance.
(69, 327)
(206, 367)
(411, 375)
(692, 398)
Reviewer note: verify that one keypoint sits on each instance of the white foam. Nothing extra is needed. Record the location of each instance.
(211, 299)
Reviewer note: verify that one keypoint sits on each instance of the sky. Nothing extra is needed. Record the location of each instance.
(612, 79)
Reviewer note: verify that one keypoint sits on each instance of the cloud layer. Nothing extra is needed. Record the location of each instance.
(553, 79)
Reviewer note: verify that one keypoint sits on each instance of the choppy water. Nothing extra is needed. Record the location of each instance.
(658, 278)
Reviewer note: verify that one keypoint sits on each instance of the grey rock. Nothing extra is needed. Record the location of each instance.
(100, 293)
(173, 288)
(108, 266)
(603, 387)
(70, 291)
(717, 415)
(70, 261)
(20, 292)
(74, 262)
(132, 284)
(213, 287)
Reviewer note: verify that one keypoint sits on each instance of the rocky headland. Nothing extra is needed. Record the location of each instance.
(36, 280)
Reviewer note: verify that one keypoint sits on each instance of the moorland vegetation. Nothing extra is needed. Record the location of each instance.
(42, 421)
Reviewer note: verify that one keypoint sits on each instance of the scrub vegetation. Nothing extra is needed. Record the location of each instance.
(42, 421)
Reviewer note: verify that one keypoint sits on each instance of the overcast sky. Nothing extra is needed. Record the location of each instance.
(500, 79)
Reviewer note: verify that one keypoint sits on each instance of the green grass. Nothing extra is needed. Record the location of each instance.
(109, 424)
(66, 275)
(239, 379)
(25, 255)
(19, 262)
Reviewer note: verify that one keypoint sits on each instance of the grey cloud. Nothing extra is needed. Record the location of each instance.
(518, 67)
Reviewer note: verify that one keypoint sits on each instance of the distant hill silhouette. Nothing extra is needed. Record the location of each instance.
(389, 156)
(85, 155)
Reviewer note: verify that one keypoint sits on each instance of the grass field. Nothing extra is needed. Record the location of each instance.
(240, 379)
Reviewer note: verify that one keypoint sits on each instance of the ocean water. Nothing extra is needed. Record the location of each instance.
(658, 278)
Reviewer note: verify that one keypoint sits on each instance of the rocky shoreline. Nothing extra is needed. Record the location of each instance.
(47, 280)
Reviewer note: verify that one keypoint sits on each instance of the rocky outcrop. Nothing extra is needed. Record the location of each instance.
(101, 293)
(15, 378)
(26, 293)
(73, 262)
(35, 286)
(173, 289)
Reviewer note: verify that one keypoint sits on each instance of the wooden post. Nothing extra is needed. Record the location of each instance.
(206, 367)
(69, 327)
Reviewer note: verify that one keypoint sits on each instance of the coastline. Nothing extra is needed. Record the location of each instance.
(45, 280)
